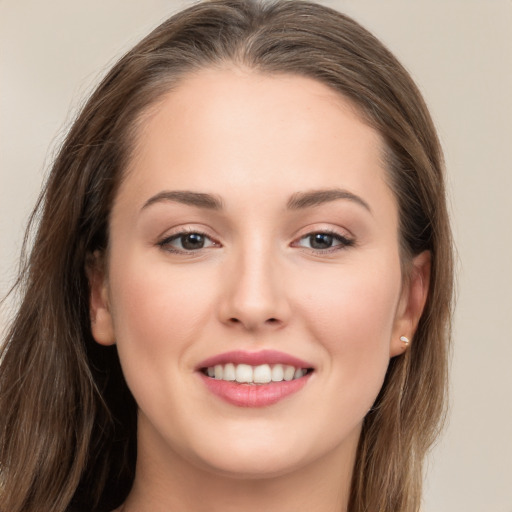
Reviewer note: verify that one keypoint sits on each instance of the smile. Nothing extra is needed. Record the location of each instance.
(256, 379)
(261, 374)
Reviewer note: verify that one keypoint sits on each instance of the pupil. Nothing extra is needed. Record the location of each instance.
(321, 241)
(192, 241)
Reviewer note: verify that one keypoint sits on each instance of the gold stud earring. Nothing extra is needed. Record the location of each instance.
(405, 339)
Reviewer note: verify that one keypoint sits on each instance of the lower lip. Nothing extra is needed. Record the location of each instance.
(254, 395)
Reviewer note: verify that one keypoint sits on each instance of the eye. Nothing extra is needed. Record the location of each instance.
(187, 241)
(325, 241)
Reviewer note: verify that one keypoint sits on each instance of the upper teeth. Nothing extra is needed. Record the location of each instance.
(261, 374)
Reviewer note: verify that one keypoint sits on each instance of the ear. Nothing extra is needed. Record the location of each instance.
(102, 326)
(412, 302)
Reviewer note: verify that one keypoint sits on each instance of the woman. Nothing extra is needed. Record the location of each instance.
(239, 292)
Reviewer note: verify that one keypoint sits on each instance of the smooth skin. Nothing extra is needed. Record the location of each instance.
(253, 277)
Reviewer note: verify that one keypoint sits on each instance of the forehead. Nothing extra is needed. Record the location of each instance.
(226, 130)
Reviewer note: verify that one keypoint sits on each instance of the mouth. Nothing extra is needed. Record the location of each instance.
(254, 379)
(256, 375)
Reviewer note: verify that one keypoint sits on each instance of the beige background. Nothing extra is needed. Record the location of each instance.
(460, 53)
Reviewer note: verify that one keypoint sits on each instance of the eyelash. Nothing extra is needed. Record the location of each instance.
(164, 244)
(344, 242)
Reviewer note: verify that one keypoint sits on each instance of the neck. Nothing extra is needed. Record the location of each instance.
(166, 481)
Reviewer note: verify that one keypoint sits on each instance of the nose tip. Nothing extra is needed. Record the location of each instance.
(254, 297)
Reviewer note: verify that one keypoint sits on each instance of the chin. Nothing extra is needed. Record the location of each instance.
(253, 466)
(266, 452)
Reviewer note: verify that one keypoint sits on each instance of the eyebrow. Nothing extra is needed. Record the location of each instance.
(313, 198)
(197, 199)
(298, 201)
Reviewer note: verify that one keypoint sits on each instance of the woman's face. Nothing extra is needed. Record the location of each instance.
(254, 235)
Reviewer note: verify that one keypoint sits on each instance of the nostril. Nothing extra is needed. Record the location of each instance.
(252, 324)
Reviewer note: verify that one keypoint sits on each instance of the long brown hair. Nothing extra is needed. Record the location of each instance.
(67, 418)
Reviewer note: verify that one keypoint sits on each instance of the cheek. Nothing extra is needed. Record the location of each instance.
(355, 305)
(352, 319)
(158, 313)
(157, 297)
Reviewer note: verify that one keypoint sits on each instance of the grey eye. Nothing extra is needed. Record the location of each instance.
(323, 241)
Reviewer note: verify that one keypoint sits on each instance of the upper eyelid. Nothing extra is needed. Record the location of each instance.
(178, 234)
(346, 241)
(337, 231)
(326, 231)
(183, 230)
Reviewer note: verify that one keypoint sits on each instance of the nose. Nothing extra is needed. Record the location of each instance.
(253, 293)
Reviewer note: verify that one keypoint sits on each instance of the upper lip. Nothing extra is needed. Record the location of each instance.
(254, 359)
